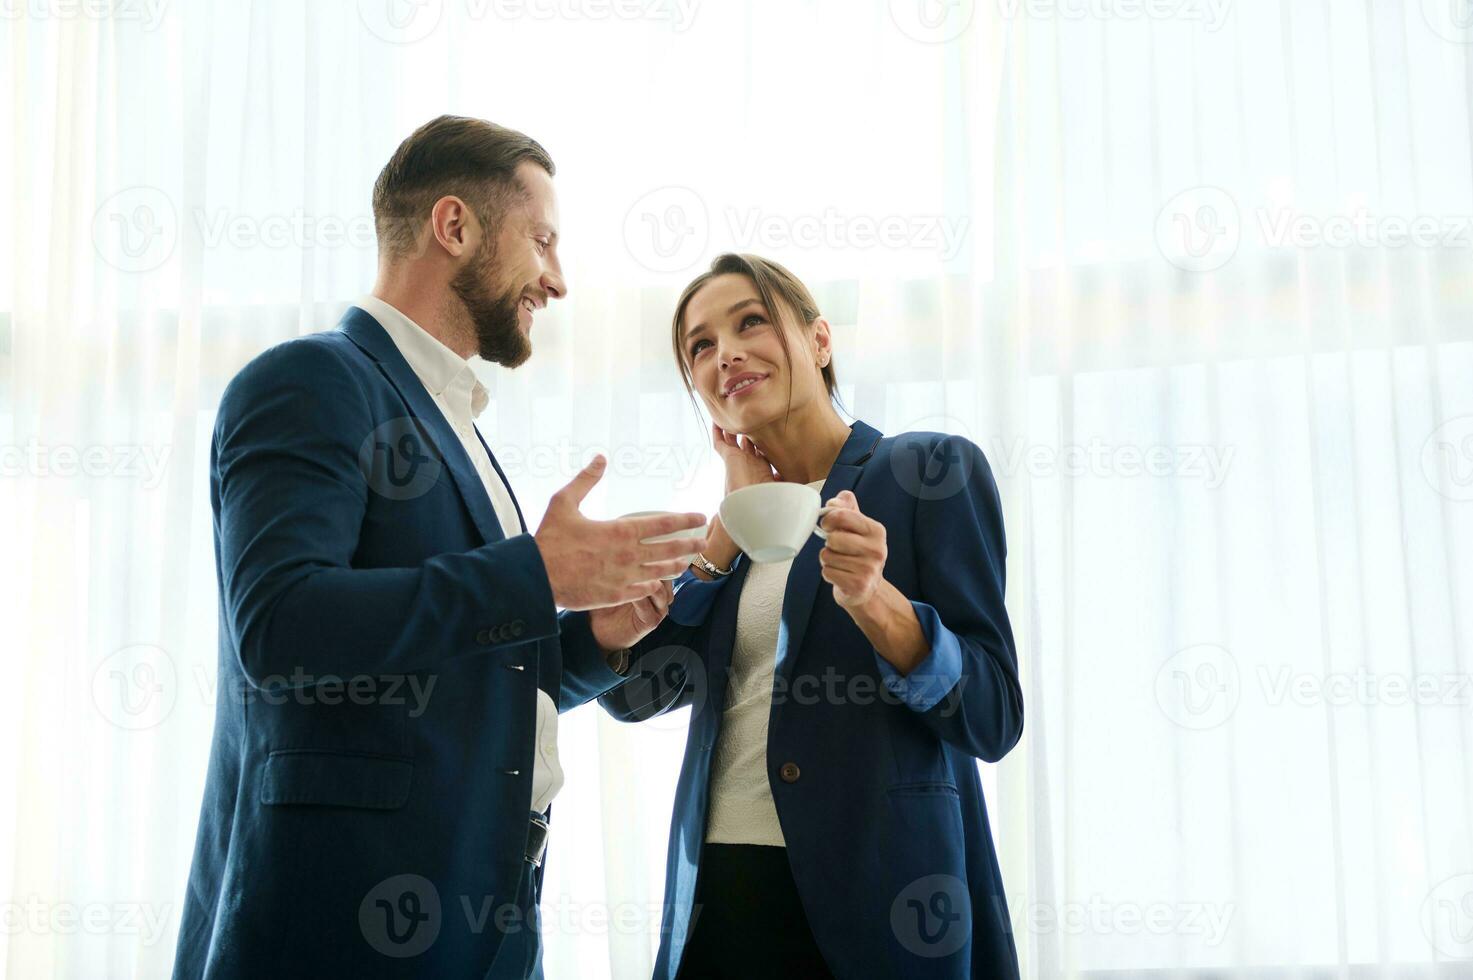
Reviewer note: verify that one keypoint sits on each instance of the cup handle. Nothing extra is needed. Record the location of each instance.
(817, 527)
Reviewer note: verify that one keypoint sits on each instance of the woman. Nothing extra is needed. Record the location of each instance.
(829, 819)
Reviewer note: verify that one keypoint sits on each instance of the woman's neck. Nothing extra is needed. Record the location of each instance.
(804, 449)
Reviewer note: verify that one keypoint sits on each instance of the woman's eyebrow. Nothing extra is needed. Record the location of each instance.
(729, 311)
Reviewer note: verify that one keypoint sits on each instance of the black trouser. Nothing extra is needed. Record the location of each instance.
(748, 919)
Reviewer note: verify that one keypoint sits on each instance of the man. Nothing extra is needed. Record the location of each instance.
(392, 657)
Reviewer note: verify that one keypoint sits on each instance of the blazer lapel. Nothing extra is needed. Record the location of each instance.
(804, 576)
(521, 520)
(368, 334)
(718, 655)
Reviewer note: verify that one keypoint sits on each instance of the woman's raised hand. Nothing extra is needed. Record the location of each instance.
(745, 464)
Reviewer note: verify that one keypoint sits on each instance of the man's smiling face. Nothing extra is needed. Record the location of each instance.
(515, 271)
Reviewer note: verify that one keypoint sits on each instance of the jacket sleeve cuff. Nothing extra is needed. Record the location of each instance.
(586, 671)
(694, 597)
(933, 678)
(536, 604)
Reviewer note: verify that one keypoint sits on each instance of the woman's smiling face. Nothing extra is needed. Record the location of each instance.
(730, 341)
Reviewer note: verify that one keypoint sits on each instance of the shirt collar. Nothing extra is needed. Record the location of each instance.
(444, 373)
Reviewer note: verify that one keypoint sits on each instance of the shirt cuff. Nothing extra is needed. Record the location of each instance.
(694, 597)
(933, 678)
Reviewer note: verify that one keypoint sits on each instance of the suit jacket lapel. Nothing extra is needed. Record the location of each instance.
(521, 520)
(804, 576)
(368, 334)
(718, 655)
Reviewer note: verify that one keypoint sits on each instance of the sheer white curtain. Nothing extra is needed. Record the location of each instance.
(1195, 275)
(1249, 684)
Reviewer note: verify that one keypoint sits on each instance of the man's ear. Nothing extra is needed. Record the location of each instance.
(454, 225)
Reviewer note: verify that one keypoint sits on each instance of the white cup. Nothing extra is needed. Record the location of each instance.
(771, 521)
(692, 532)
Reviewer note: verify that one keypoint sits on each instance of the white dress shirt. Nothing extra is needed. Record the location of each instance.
(741, 809)
(461, 397)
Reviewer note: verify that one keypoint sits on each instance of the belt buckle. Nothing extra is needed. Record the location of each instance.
(536, 839)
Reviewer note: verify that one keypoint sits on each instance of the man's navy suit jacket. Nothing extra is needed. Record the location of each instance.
(381, 644)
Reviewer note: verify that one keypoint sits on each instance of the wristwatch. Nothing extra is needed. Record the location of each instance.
(704, 564)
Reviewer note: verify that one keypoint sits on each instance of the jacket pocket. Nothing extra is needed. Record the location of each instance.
(928, 788)
(305, 777)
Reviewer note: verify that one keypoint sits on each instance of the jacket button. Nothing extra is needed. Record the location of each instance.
(483, 637)
(789, 772)
(517, 627)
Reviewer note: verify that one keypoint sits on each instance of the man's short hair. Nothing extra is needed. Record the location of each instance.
(470, 158)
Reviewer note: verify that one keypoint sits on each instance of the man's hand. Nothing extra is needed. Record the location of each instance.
(620, 627)
(594, 564)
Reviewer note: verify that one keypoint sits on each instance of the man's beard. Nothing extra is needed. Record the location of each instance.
(496, 320)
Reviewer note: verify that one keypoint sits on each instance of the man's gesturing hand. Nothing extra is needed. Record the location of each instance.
(620, 627)
(591, 564)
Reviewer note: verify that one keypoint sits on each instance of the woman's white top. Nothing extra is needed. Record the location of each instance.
(742, 811)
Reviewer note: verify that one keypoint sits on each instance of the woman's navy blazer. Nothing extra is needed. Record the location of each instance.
(873, 774)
